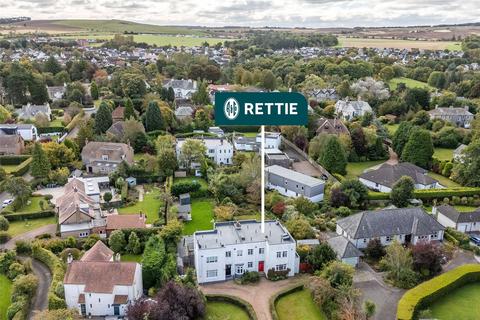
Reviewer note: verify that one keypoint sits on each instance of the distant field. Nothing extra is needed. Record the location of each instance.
(399, 44)
(155, 39)
(410, 83)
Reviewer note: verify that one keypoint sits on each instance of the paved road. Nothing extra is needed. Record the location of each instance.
(40, 301)
(257, 295)
(49, 228)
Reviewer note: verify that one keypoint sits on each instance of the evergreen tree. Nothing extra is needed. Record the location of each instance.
(333, 157)
(170, 94)
(201, 96)
(94, 90)
(400, 138)
(134, 246)
(402, 191)
(153, 117)
(103, 118)
(419, 148)
(116, 241)
(52, 65)
(40, 166)
(129, 111)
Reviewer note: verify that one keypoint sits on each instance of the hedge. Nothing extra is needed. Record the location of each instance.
(274, 299)
(22, 168)
(29, 215)
(372, 195)
(57, 269)
(50, 130)
(75, 121)
(247, 307)
(428, 194)
(424, 294)
(13, 160)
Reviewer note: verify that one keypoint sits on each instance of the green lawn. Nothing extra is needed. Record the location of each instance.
(410, 83)
(33, 206)
(150, 206)
(202, 216)
(5, 296)
(19, 227)
(224, 311)
(444, 181)
(443, 154)
(250, 134)
(462, 303)
(354, 169)
(392, 128)
(57, 122)
(131, 257)
(9, 167)
(298, 305)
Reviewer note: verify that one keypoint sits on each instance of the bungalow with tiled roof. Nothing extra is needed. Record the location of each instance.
(448, 216)
(100, 286)
(128, 221)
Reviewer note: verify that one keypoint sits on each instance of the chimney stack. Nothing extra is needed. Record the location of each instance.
(69, 258)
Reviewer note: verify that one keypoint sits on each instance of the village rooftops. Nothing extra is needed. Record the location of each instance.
(245, 231)
(388, 174)
(451, 111)
(99, 252)
(294, 175)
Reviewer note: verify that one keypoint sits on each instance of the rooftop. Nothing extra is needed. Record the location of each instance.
(294, 175)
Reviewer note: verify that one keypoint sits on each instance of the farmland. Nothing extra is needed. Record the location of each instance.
(399, 44)
(410, 83)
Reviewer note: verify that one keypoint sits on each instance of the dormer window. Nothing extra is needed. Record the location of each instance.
(104, 157)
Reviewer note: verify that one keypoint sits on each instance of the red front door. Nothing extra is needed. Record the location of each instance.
(260, 266)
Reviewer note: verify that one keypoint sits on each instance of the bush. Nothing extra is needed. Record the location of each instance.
(13, 160)
(22, 168)
(15, 270)
(185, 187)
(23, 247)
(250, 277)
(27, 216)
(277, 275)
(4, 237)
(4, 225)
(424, 294)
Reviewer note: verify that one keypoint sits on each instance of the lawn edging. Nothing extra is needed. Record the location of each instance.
(273, 300)
(247, 307)
(427, 292)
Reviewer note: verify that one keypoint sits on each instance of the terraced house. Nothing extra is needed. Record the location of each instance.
(458, 116)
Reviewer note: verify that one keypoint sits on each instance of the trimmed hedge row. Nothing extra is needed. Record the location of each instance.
(30, 215)
(50, 130)
(247, 307)
(75, 121)
(274, 299)
(57, 269)
(429, 194)
(22, 168)
(13, 160)
(424, 294)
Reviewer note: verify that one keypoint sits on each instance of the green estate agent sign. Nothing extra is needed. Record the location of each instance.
(260, 108)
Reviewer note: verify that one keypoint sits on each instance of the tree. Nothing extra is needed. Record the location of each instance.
(58, 154)
(333, 157)
(40, 166)
(85, 133)
(131, 131)
(201, 97)
(369, 308)
(103, 118)
(129, 111)
(402, 191)
(4, 224)
(167, 162)
(387, 73)
(467, 172)
(359, 142)
(269, 80)
(320, 256)
(192, 150)
(299, 227)
(172, 231)
(224, 213)
(133, 246)
(153, 117)
(338, 274)
(20, 190)
(107, 197)
(400, 138)
(305, 206)
(398, 263)
(427, 258)
(59, 176)
(173, 301)
(356, 192)
(419, 148)
(4, 114)
(116, 241)
(154, 263)
(94, 90)
(41, 120)
(52, 65)
(437, 79)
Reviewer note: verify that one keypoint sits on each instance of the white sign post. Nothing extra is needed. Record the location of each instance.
(262, 153)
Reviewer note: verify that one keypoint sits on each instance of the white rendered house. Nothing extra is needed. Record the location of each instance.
(220, 150)
(234, 247)
(100, 285)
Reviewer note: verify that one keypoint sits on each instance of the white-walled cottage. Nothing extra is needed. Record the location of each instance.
(448, 216)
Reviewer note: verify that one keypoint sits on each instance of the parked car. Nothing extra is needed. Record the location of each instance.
(475, 239)
(6, 202)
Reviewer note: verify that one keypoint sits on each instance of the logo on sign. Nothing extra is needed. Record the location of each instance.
(231, 108)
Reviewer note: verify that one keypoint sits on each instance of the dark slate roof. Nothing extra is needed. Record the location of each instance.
(387, 175)
(344, 248)
(372, 224)
(459, 217)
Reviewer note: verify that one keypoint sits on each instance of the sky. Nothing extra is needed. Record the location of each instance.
(254, 13)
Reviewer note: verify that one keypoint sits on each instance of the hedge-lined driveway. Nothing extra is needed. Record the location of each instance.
(30, 235)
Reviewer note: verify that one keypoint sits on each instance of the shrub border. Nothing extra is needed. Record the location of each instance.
(423, 294)
(274, 299)
(247, 307)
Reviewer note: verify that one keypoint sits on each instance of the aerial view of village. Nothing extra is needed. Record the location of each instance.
(122, 197)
